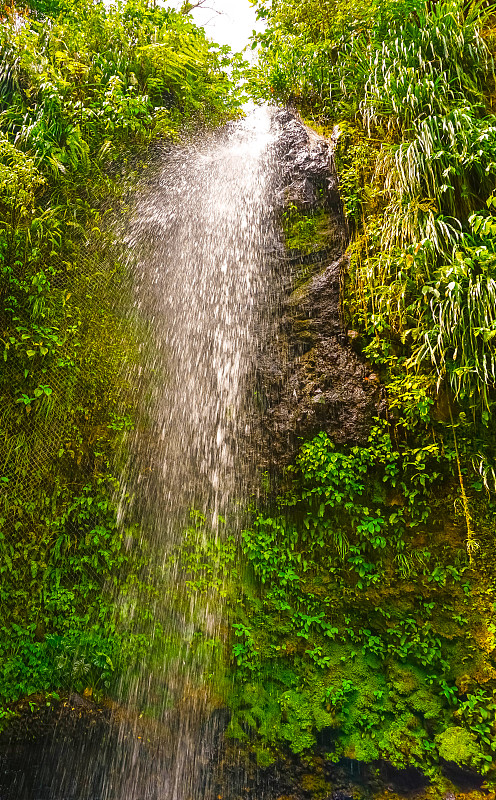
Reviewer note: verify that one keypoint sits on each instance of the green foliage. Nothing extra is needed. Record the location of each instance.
(459, 746)
(339, 510)
(307, 233)
(360, 601)
(461, 324)
(61, 561)
(345, 630)
(345, 58)
(82, 95)
(97, 79)
(407, 84)
(207, 557)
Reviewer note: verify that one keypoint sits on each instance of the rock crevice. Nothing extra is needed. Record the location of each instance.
(310, 377)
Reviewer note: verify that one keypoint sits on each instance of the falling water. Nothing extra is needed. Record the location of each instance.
(201, 235)
(201, 240)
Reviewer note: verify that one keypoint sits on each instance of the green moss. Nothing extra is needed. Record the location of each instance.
(306, 232)
(460, 746)
(316, 785)
(264, 757)
(426, 703)
(404, 680)
(353, 647)
(361, 747)
(298, 721)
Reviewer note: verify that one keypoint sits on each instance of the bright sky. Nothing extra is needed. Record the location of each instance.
(232, 26)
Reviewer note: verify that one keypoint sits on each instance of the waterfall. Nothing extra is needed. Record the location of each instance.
(203, 242)
(200, 240)
(201, 234)
(222, 391)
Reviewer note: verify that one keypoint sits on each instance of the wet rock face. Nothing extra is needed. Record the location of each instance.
(306, 164)
(311, 379)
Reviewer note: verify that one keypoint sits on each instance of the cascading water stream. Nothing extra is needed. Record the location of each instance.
(201, 235)
(201, 239)
(203, 242)
(214, 311)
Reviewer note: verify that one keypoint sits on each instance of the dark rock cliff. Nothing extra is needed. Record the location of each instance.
(311, 379)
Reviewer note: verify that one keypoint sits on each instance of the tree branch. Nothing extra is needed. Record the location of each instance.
(187, 7)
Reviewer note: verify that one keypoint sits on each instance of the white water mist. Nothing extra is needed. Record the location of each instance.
(201, 240)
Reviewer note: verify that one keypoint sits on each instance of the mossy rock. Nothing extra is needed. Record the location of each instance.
(307, 233)
(405, 679)
(361, 747)
(316, 785)
(458, 745)
(265, 757)
(426, 703)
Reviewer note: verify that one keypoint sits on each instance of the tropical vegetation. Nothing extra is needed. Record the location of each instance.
(84, 90)
(366, 628)
(362, 591)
